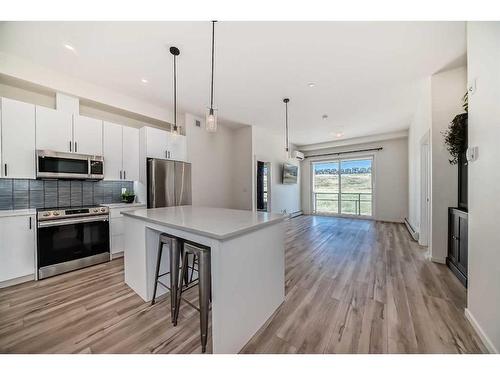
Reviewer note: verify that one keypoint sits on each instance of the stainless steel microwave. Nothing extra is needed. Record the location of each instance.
(53, 164)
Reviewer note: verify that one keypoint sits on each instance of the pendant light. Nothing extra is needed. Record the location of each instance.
(211, 118)
(287, 144)
(175, 52)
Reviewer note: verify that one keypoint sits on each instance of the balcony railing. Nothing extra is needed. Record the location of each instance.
(350, 203)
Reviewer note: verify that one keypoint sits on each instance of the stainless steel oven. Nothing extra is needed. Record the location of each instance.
(53, 164)
(71, 238)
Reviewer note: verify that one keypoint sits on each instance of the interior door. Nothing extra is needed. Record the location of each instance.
(182, 183)
(18, 139)
(113, 152)
(54, 130)
(130, 153)
(87, 134)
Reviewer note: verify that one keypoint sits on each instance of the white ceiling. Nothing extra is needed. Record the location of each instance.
(365, 72)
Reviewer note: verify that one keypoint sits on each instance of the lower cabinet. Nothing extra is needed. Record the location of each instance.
(17, 247)
(116, 230)
(457, 243)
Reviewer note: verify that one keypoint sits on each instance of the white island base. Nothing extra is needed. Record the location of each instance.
(247, 263)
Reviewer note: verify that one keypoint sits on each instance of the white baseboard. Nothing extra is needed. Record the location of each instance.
(295, 214)
(17, 280)
(117, 255)
(486, 340)
(414, 234)
(438, 260)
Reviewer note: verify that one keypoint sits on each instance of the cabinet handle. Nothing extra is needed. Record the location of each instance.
(166, 154)
(124, 175)
(76, 146)
(30, 222)
(5, 169)
(121, 175)
(169, 154)
(70, 146)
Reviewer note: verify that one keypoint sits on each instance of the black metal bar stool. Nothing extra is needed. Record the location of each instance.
(202, 258)
(174, 245)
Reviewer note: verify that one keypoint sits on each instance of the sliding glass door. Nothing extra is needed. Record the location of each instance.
(343, 187)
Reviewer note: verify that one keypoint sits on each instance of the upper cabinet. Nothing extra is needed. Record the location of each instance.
(121, 152)
(130, 153)
(87, 135)
(18, 139)
(161, 144)
(176, 147)
(64, 132)
(54, 130)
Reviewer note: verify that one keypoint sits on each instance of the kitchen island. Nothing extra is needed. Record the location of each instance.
(247, 263)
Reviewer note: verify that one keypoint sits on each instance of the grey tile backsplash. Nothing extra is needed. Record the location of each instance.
(22, 194)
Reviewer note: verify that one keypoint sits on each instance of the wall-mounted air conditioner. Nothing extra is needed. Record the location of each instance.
(298, 155)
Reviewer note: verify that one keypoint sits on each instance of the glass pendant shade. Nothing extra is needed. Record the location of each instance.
(175, 130)
(211, 120)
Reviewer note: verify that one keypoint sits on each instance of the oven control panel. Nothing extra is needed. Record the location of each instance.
(66, 213)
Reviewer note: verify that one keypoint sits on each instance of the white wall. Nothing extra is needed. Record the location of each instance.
(448, 88)
(484, 181)
(241, 181)
(390, 177)
(440, 99)
(212, 163)
(269, 147)
(419, 126)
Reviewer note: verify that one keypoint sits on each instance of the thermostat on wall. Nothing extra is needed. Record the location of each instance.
(472, 153)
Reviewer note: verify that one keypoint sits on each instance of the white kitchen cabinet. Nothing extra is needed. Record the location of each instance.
(121, 152)
(156, 143)
(161, 144)
(17, 247)
(113, 151)
(176, 147)
(54, 130)
(130, 153)
(116, 231)
(17, 126)
(87, 135)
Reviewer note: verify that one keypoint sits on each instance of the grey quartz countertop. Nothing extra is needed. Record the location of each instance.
(123, 205)
(217, 223)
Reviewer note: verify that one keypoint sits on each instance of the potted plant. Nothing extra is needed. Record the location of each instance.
(455, 137)
(128, 197)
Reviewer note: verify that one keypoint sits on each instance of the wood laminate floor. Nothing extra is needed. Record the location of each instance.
(352, 286)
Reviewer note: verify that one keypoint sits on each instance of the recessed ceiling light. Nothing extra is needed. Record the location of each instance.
(144, 80)
(311, 84)
(70, 47)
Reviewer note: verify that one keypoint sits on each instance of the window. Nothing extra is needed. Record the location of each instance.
(343, 186)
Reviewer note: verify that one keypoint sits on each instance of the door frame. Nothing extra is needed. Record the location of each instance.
(424, 237)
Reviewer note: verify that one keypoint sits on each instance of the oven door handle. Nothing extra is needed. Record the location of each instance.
(54, 223)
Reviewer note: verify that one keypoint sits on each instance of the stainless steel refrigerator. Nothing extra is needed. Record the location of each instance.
(169, 183)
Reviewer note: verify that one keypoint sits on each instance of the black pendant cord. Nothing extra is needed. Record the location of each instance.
(175, 52)
(286, 100)
(213, 59)
(175, 94)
